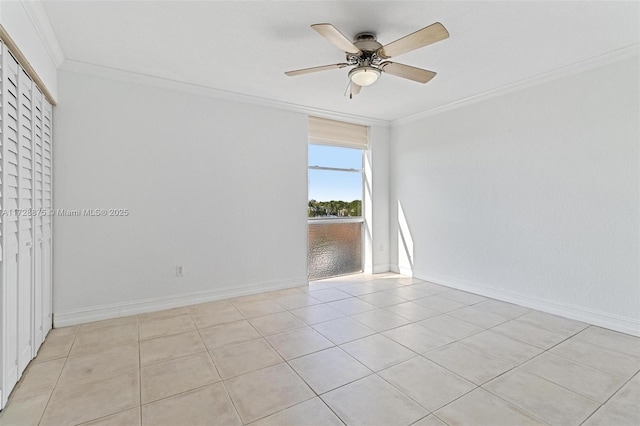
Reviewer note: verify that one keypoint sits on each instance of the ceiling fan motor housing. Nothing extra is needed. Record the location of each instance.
(366, 42)
(368, 46)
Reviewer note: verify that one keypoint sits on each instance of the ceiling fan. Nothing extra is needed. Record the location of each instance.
(369, 58)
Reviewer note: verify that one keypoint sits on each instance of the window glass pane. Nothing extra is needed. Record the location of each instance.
(335, 193)
(334, 249)
(333, 156)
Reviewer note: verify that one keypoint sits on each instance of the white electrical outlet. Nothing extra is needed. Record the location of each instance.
(381, 247)
(179, 271)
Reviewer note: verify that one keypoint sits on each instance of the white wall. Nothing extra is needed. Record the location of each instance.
(531, 197)
(216, 186)
(377, 191)
(21, 28)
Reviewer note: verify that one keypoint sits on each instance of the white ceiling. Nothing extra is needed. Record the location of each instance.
(245, 47)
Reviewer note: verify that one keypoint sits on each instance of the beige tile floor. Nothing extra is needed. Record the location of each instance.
(357, 350)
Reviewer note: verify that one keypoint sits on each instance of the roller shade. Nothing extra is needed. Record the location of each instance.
(323, 131)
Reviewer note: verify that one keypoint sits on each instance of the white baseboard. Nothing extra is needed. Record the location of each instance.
(405, 271)
(602, 319)
(401, 270)
(97, 313)
(380, 268)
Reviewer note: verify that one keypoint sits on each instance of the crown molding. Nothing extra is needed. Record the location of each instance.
(148, 80)
(586, 65)
(41, 23)
(24, 63)
(163, 83)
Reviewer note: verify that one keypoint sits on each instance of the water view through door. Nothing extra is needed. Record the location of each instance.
(335, 219)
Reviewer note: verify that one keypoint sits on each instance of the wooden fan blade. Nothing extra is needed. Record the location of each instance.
(332, 34)
(424, 37)
(409, 72)
(314, 69)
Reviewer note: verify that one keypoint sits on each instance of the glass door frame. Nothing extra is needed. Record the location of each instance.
(337, 220)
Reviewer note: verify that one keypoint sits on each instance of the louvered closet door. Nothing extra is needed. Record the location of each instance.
(25, 228)
(47, 204)
(25, 222)
(38, 284)
(10, 302)
(1, 200)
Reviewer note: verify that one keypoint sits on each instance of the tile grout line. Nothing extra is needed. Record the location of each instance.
(272, 298)
(233, 404)
(206, 348)
(394, 364)
(542, 378)
(316, 395)
(408, 396)
(508, 319)
(637, 374)
(517, 407)
(511, 369)
(59, 375)
(222, 381)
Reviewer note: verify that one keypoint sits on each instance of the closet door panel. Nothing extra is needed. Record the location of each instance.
(10, 302)
(38, 284)
(25, 223)
(2, 96)
(47, 204)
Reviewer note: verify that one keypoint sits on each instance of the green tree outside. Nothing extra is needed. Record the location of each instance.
(335, 208)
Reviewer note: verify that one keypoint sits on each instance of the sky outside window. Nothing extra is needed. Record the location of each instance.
(335, 156)
(327, 185)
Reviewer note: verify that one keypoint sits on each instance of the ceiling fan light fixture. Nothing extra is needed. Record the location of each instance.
(369, 58)
(364, 76)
